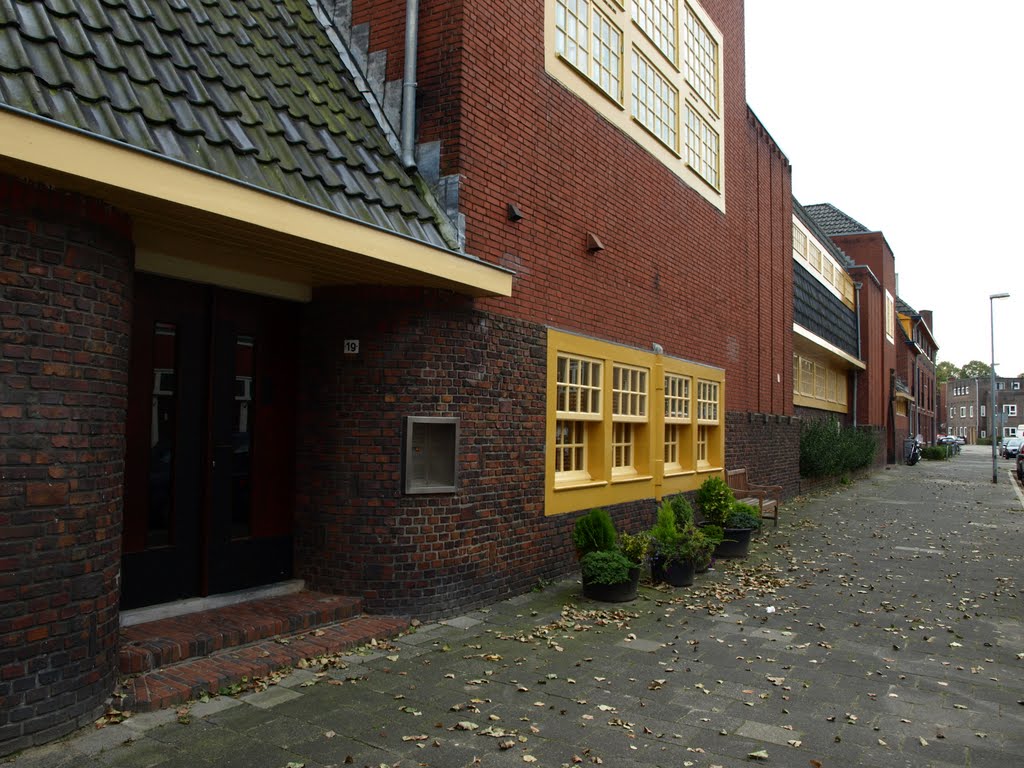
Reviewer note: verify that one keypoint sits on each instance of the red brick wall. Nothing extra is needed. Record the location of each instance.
(64, 323)
(426, 354)
(675, 271)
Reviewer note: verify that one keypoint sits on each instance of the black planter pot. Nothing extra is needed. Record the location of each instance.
(677, 573)
(614, 593)
(736, 543)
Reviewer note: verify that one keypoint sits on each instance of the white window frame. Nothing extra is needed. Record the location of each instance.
(576, 420)
(890, 318)
(1010, 409)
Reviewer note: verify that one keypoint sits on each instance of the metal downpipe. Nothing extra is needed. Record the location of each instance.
(408, 138)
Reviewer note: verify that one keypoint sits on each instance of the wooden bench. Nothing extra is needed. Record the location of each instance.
(767, 498)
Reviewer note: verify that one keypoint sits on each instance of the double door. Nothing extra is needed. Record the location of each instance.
(210, 462)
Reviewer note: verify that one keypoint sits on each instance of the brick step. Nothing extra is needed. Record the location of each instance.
(155, 644)
(178, 683)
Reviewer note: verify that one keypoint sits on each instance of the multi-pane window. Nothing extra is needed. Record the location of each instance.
(701, 147)
(963, 411)
(677, 416)
(890, 317)
(629, 408)
(814, 381)
(614, 411)
(577, 403)
(701, 60)
(671, 89)
(572, 31)
(1010, 409)
(657, 18)
(606, 67)
(799, 243)
(822, 265)
(591, 42)
(707, 418)
(982, 412)
(654, 101)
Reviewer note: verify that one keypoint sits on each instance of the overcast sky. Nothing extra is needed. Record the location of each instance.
(907, 116)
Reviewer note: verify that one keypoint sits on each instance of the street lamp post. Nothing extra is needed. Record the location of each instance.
(992, 390)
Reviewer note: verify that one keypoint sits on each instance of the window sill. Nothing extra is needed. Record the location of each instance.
(579, 485)
(708, 469)
(631, 479)
(680, 472)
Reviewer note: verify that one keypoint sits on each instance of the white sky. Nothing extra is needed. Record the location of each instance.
(908, 116)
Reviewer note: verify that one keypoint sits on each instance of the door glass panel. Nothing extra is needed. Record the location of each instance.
(163, 419)
(242, 436)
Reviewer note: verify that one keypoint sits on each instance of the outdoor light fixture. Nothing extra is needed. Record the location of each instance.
(514, 213)
(992, 391)
(593, 244)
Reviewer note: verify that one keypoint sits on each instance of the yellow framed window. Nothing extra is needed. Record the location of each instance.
(677, 421)
(657, 19)
(629, 410)
(577, 407)
(708, 431)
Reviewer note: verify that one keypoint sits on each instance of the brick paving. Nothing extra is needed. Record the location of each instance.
(895, 638)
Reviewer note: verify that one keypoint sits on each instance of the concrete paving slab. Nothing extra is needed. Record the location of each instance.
(269, 698)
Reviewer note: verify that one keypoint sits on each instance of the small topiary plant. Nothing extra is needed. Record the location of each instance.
(606, 567)
(682, 510)
(934, 453)
(715, 499)
(594, 532)
(742, 516)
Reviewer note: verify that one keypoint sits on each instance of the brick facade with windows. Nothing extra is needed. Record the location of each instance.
(696, 272)
(65, 304)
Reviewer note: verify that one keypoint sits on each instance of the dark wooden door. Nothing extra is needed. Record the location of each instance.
(209, 470)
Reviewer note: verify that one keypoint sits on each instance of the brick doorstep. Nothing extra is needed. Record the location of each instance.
(178, 683)
(155, 644)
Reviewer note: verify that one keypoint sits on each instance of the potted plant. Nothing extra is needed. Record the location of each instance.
(608, 574)
(678, 548)
(713, 536)
(737, 520)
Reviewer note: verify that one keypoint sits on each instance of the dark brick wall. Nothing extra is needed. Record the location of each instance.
(64, 324)
(767, 445)
(426, 354)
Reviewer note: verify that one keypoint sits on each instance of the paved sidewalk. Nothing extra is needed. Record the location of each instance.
(878, 626)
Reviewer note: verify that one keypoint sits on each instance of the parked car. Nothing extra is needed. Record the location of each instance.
(960, 440)
(1011, 447)
(945, 440)
(1020, 466)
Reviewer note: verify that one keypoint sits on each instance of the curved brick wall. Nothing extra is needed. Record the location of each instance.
(65, 274)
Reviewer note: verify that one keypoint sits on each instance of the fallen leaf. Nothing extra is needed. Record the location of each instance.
(761, 754)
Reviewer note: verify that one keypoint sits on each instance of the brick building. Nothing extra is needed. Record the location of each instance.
(895, 393)
(967, 404)
(246, 338)
(826, 345)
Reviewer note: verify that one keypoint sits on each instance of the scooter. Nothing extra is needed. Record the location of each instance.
(914, 455)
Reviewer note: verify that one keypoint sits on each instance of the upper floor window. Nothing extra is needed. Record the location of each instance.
(822, 264)
(890, 317)
(653, 69)
(1010, 409)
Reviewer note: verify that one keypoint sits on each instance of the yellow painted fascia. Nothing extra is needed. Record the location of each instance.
(820, 405)
(138, 176)
(815, 344)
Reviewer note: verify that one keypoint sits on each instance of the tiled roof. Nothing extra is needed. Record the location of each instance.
(833, 221)
(903, 308)
(253, 90)
(823, 237)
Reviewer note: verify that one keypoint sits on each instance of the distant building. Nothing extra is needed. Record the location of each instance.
(968, 402)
